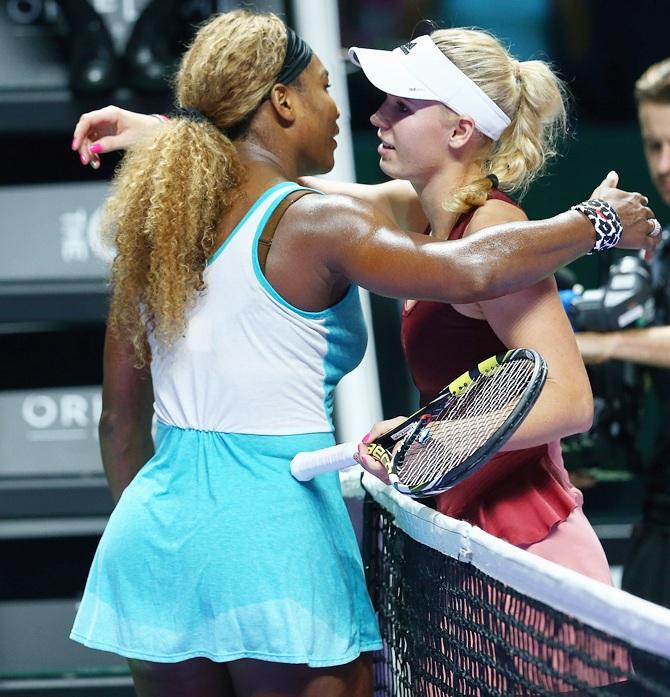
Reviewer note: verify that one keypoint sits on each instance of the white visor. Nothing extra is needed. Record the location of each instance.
(419, 70)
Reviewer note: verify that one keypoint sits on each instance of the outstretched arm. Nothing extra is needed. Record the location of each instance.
(355, 241)
(112, 128)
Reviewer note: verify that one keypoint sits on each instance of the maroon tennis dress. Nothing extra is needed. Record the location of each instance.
(522, 496)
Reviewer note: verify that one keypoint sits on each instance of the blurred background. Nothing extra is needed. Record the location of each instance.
(59, 58)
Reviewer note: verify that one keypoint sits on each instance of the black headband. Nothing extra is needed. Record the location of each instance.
(297, 58)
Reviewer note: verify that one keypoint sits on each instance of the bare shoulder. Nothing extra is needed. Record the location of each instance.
(335, 218)
(339, 204)
(338, 236)
(495, 212)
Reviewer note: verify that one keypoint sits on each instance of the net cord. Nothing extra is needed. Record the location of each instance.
(638, 622)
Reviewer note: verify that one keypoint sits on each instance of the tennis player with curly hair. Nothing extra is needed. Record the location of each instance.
(234, 314)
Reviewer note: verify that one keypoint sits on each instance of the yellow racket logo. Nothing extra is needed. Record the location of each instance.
(460, 384)
(380, 454)
(488, 365)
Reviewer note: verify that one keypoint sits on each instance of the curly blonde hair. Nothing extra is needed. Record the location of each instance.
(171, 190)
(529, 92)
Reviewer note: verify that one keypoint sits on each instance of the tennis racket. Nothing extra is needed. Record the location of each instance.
(453, 435)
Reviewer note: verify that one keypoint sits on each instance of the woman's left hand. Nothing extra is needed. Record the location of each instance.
(109, 129)
(372, 464)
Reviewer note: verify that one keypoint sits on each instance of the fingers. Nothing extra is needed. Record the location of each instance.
(90, 121)
(80, 130)
(641, 200)
(653, 238)
(650, 248)
(104, 145)
(87, 134)
(655, 228)
(611, 180)
(372, 465)
(382, 427)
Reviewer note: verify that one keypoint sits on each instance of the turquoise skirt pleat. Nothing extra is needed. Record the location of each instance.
(215, 550)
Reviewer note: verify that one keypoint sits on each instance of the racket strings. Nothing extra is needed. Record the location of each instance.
(463, 424)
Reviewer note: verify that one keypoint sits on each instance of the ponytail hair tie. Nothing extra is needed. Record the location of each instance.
(191, 114)
(493, 179)
(424, 27)
(196, 116)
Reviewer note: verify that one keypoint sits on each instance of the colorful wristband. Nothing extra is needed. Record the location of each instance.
(605, 221)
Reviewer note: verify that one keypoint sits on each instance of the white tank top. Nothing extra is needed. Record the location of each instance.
(249, 361)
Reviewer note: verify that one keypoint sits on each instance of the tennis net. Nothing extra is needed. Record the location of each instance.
(464, 613)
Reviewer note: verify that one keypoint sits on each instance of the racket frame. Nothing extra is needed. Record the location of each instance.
(381, 448)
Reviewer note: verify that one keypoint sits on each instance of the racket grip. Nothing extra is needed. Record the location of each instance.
(305, 466)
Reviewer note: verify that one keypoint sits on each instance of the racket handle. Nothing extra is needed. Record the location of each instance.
(305, 466)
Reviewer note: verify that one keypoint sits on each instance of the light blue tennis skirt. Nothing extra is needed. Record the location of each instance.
(215, 550)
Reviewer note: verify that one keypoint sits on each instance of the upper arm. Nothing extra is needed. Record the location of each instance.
(127, 413)
(352, 239)
(534, 316)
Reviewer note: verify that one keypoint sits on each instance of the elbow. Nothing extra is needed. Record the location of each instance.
(121, 428)
(481, 280)
(492, 274)
(586, 423)
(113, 424)
(581, 409)
(107, 424)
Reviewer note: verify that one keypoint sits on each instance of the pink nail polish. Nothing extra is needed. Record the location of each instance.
(83, 159)
(96, 148)
(366, 437)
(73, 146)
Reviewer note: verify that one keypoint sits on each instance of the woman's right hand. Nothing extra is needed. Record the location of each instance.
(109, 129)
(635, 215)
(372, 464)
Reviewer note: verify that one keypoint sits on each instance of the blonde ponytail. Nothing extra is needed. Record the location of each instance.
(530, 93)
(538, 124)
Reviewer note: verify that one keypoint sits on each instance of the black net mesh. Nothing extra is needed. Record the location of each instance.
(449, 630)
